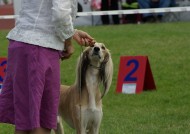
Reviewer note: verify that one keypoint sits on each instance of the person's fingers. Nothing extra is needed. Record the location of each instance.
(89, 37)
(83, 38)
(91, 43)
(82, 41)
(86, 42)
(86, 35)
(66, 55)
(83, 34)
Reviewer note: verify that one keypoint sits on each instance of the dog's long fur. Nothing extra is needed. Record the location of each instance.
(81, 104)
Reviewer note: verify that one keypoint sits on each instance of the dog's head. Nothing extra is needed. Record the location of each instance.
(97, 57)
(97, 53)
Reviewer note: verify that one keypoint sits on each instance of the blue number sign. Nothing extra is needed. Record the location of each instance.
(129, 76)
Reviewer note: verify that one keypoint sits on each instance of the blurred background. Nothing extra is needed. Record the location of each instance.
(12, 7)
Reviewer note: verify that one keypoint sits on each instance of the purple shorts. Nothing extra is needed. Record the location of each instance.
(30, 95)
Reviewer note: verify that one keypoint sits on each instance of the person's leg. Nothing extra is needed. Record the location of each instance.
(40, 131)
(105, 7)
(51, 93)
(114, 6)
(36, 107)
(30, 111)
(162, 4)
(144, 4)
(173, 3)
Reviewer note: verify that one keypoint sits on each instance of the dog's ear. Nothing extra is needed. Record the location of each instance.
(82, 65)
(106, 73)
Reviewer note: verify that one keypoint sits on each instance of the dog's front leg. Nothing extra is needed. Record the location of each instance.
(80, 122)
(95, 129)
(96, 124)
(59, 129)
(81, 129)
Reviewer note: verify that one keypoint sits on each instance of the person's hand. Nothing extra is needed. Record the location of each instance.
(68, 49)
(83, 38)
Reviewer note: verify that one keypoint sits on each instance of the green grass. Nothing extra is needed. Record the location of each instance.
(166, 110)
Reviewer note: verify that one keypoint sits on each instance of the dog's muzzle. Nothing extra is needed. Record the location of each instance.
(96, 52)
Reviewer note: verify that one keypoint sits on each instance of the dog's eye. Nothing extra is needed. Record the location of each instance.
(103, 47)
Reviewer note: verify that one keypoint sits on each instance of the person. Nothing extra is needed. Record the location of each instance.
(130, 18)
(109, 5)
(43, 33)
(150, 17)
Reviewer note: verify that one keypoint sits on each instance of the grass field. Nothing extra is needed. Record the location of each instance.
(164, 111)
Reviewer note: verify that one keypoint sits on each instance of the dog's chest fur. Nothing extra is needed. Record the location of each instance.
(90, 116)
(92, 88)
(91, 113)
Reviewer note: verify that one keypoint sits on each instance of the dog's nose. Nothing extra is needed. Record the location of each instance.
(96, 49)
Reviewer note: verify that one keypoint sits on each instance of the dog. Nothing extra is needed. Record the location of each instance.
(81, 104)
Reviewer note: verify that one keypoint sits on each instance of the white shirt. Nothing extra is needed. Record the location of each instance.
(46, 23)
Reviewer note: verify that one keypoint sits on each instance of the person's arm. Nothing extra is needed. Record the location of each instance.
(62, 12)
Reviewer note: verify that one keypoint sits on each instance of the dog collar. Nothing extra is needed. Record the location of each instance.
(99, 68)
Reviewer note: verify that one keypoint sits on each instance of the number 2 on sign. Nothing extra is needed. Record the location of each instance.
(2, 69)
(129, 76)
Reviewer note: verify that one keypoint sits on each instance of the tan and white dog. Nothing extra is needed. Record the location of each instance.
(81, 104)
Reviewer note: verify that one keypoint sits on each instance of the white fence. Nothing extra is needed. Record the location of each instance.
(88, 17)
